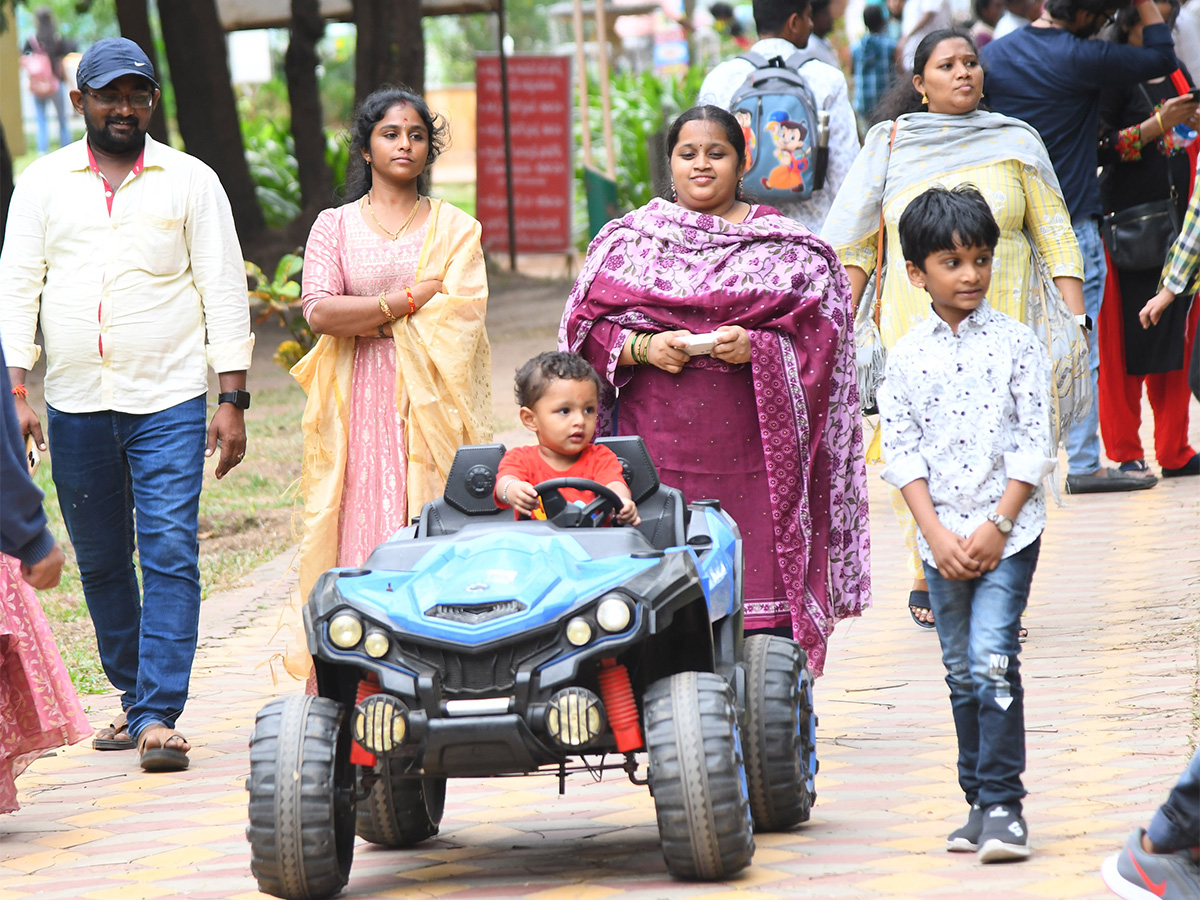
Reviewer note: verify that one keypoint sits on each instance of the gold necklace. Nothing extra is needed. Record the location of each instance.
(403, 228)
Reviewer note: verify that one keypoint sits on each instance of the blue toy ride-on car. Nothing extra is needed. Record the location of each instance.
(474, 645)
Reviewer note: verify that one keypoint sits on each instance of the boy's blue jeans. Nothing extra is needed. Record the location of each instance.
(119, 475)
(977, 623)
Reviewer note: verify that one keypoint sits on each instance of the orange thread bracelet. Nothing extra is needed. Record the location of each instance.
(20, 390)
(412, 304)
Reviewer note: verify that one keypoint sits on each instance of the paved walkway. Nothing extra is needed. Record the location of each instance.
(1112, 684)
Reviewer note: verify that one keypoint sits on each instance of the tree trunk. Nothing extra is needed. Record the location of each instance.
(6, 183)
(135, 25)
(206, 109)
(391, 45)
(308, 122)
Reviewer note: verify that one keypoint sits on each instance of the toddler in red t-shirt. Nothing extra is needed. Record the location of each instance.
(559, 393)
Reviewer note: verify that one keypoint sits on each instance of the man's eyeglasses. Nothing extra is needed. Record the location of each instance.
(113, 99)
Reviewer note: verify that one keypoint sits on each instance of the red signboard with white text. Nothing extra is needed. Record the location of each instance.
(539, 102)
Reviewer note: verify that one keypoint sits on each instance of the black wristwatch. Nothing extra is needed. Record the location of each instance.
(240, 399)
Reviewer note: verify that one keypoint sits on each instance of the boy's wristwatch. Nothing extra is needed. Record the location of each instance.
(240, 399)
(1085, 322)
(1003, 523)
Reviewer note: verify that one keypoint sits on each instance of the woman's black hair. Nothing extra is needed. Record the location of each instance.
(941, 219)
(534, 377)
(1118, 31)
(903, 97)
(709, 113)
(373, 108)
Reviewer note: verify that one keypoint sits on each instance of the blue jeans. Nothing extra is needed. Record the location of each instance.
(977, 623)
(1176, 825)
(119, 475)
(1083, 440)
(59, 100)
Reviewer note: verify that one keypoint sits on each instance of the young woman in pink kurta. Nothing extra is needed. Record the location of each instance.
(396, 286)
(345, 256)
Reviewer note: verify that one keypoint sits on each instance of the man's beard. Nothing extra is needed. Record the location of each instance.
(115, 145)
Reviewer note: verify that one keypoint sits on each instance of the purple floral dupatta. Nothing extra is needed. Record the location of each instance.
(662, 267)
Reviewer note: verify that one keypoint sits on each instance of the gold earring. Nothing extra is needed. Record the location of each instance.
(674, 195)
(924, 99)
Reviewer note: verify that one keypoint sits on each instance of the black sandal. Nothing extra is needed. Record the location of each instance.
(920, 600)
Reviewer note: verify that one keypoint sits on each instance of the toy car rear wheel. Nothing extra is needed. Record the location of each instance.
(400, 811)
(698, 777)
(780, 727)
(301, 788)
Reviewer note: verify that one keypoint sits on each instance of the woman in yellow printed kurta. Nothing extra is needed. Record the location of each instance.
(935, 134)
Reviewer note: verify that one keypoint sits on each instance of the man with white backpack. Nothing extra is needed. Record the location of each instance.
(795, 111)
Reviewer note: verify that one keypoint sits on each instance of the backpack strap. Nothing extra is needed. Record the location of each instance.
(796, 60)
(755, 59)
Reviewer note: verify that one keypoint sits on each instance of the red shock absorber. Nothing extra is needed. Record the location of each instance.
(617, 694)
(360, 756)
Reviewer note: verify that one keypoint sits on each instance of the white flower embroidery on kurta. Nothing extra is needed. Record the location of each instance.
(967, 412)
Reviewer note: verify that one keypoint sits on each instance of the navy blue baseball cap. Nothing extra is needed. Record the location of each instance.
(109, 59)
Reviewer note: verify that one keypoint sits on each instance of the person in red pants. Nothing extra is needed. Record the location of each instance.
(1120, 393)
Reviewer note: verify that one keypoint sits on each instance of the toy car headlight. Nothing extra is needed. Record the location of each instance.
(579, 632)
(613, 613)
(345, 630)
(376, 644)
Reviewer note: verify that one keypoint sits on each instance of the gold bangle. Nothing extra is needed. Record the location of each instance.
(384, 308)
(1161, 127)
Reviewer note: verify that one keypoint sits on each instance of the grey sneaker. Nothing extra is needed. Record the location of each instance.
(1004, 836)
(1137, 875)
(966, 839)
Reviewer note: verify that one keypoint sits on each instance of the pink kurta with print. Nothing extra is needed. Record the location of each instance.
(345, 257)
(38, 706)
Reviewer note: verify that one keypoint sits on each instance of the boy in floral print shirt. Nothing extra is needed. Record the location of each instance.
(966, 438)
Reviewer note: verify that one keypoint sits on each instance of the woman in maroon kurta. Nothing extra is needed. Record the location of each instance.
(767, 422)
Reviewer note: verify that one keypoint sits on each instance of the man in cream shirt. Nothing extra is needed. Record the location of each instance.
(126, 250)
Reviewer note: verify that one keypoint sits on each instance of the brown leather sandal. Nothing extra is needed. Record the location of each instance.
(162, 758)
(115, 736)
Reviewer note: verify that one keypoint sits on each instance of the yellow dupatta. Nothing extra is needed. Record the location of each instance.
(443, 391)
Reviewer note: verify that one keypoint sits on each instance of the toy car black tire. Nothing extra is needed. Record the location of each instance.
(698, 776)
(780, 756)
(400, 811)
(301, 828)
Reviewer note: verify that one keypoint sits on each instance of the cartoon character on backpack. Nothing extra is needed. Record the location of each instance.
(777, 112)
(746, 120)
(790, 151)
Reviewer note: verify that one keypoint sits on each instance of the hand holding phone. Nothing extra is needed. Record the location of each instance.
(31, 454)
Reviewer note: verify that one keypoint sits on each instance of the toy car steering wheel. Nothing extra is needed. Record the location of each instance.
(567, 515)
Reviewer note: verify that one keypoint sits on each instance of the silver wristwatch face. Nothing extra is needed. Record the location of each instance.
(1003, 523)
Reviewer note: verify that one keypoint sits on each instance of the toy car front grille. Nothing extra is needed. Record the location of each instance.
(484, 671)
(474, 613)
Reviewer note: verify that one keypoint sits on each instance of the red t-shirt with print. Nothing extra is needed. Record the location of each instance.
(595, 463)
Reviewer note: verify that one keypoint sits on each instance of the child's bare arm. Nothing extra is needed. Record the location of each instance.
(949, 550)
(520, 495)
(628, 514)
(986, 543)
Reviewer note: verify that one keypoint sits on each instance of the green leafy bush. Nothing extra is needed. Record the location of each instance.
(642, 105)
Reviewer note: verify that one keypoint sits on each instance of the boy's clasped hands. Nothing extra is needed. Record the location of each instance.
(961, 559)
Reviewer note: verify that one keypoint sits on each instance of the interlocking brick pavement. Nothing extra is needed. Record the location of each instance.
(1112, 676)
